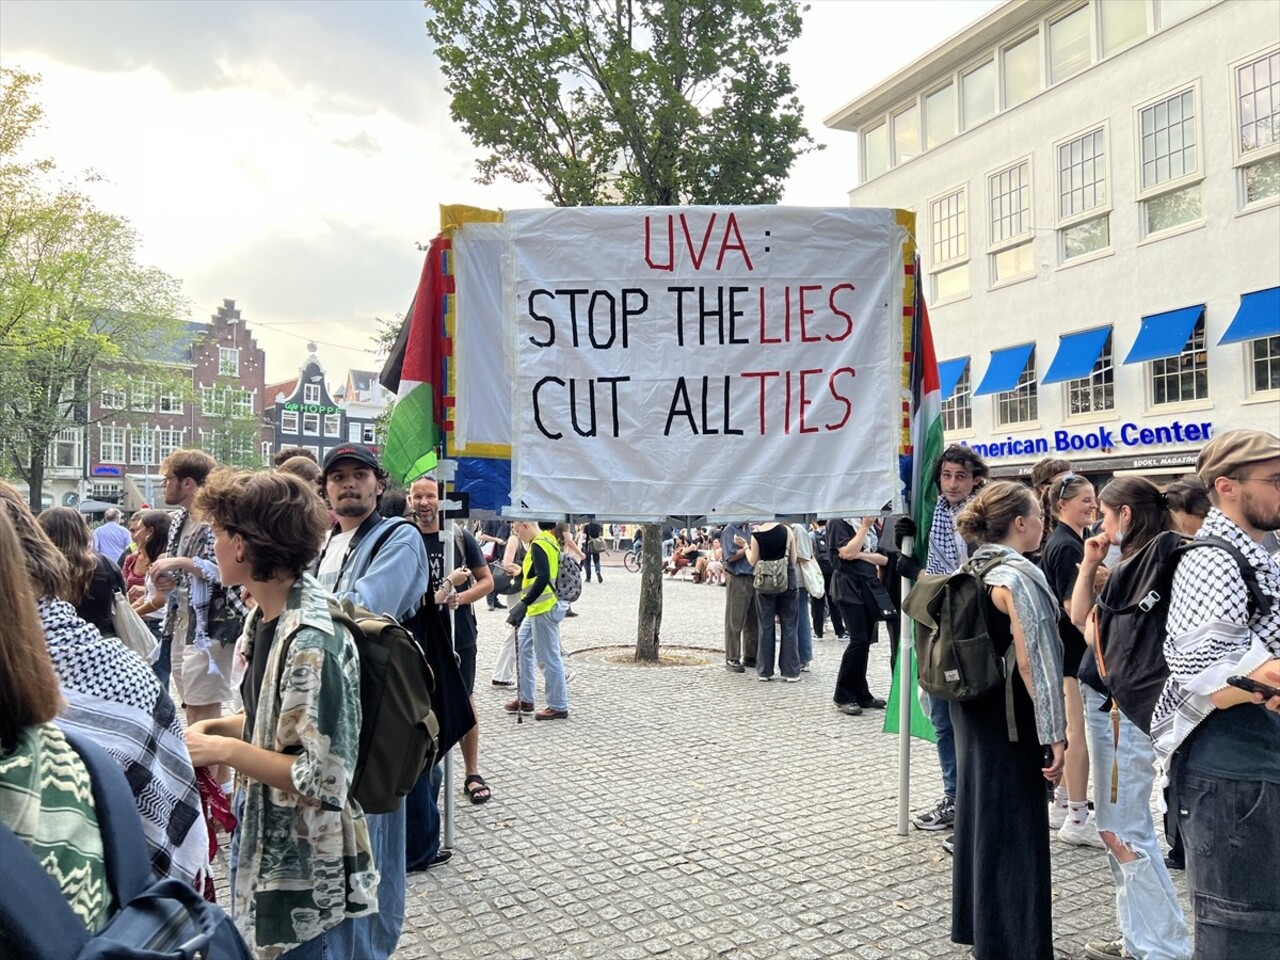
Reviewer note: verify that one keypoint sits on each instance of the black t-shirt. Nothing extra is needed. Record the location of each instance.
(1060, 560)
(251, 684)
(1238, 743)
(772, 543)
(96, 606)
(464, 618)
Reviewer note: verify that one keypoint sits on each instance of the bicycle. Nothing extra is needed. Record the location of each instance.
(632, 560)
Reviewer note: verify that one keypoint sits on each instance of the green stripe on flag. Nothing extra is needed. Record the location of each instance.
(412, 437)
(920, 725)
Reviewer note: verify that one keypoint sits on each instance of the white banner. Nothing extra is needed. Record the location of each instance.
(710, 361)
(482, 412)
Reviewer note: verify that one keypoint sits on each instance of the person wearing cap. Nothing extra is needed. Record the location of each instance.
(378, 563)
(1220, 746)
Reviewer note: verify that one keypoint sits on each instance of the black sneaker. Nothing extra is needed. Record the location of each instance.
(941, 817)
(734, 666)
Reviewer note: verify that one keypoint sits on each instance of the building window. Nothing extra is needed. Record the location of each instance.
(1122, 23)
(311, 424)
(367, 433)
(940, 116)
(209, 442)
(353, 431)
(906, 135)
(108, 491)
(1185, 377)
(978, 92)
(142, 446)
(1171, 11)
(957, 409)
(228, 362)
(242, 403)
(948, 218)
(1095, 393)
(171, 401)
(1258, 120)
(289, 421)
(64, 452)
(315, 452)
(1069, 45)
(112, 399)
(1264, 361)
(266, 453)
(1021, 64)
(142, 395)
(1170, 158)
(875, 152)
(111, 444)
(1020, 405)
(1082, 189)
(332, 425)
(167, 441)
(213, 401)
(1009, 199)
(311, 393)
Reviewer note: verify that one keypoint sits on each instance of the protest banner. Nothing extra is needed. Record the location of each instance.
(717, 361)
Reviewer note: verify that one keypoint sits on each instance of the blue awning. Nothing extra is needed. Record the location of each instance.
(1258, 317)
(1005, 368)
(1077, 353)
(949, 374)
(1164, 334)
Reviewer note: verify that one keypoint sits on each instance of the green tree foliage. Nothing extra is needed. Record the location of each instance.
(650, 102)
(654, 102)
(72, 294)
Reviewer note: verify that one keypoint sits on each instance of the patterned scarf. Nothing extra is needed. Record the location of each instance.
(114, 699)
(944, 543)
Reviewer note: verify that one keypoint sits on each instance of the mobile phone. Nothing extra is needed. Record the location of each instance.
(1254, 686)
(1048, 755)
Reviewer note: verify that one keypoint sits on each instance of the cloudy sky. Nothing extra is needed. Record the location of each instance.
(290, 154)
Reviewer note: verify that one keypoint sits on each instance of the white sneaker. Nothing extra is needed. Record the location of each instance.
(1081, 834)
(1057, 814)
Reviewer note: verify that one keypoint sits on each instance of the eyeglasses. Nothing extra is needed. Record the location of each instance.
(1274, 481)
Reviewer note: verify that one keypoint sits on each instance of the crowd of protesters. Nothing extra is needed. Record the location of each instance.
(236, 586)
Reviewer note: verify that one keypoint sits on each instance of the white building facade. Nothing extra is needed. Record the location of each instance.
(1097, 194)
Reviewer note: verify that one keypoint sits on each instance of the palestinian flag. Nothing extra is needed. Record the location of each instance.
(923, 454)
(415, 371)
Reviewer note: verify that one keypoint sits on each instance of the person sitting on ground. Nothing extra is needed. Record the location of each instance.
(302, 864)
(93, 579)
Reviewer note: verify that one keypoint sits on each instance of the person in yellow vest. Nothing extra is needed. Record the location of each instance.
(538, 616)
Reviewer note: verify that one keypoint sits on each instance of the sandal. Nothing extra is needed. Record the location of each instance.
(476, 789)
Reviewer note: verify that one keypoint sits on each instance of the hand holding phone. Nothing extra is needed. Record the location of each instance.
(1254, 686)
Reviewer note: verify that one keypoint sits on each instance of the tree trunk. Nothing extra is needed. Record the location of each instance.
(35, 480)
(650, 620)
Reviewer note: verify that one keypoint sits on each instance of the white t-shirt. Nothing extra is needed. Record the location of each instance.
(331, 565)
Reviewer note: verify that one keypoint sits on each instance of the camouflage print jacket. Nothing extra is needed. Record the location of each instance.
(305, 860)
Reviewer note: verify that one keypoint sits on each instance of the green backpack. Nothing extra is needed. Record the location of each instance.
(955, 657)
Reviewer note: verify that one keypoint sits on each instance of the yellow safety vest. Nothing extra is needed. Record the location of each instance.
(548, 598)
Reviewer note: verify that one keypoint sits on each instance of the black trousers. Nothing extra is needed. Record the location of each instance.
(851, 683)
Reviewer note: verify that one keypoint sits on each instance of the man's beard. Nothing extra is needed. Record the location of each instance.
(1256, 517)
(350, 507)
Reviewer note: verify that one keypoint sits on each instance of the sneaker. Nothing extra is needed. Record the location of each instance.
(1106, 950)
(806, 667)
(504, 683)
(734, 666)
(875, 703)
(1081, 834)
(843, 638)
(787, 679)
(1175, 863)
(763, 679)
(1057, 814)
(942, 816)
(850, 709)
(949, 846)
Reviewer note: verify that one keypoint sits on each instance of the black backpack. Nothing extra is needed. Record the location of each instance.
(154, 918)
(822, 550)
(955, 656)
(1132, 615)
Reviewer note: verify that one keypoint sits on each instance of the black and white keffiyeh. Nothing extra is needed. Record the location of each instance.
(114, 698)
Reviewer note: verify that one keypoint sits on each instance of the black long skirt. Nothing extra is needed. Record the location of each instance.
(1001, 900)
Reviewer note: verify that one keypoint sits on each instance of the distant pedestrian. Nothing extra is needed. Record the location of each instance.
(111, 539)
(538, 614)
(741, 622)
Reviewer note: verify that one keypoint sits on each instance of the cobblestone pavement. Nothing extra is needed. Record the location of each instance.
(688, 812)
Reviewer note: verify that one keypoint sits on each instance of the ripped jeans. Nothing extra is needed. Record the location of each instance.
(1147, 909)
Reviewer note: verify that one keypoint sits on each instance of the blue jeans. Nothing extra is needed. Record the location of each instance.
(940, 714)
(375, 937)
(539, 638)
(781, 606)
(586, 566)
(1147, 909)
(804, 629)
(163, 665)
(422, 819)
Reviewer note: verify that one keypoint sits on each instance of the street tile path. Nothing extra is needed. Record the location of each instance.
(687, 812)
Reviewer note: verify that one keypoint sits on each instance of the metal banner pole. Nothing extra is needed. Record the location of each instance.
(906, 690)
